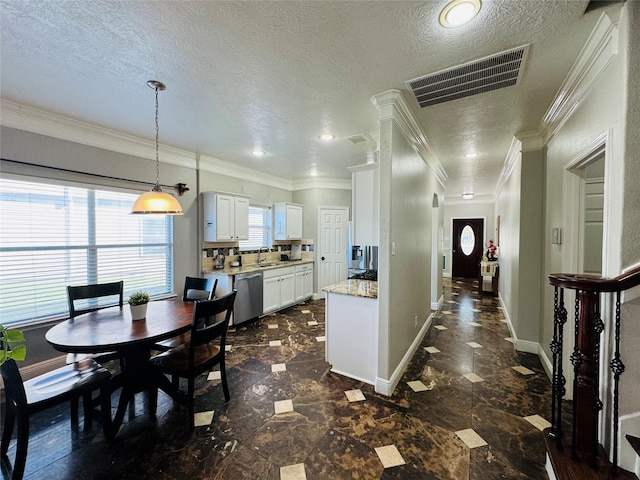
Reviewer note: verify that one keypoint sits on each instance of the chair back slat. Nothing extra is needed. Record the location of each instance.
(84, 292)
(205, 326)
(198, 289)
(13, 386)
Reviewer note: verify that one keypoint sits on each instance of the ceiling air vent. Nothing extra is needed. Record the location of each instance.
(360, 137)
(490, 73)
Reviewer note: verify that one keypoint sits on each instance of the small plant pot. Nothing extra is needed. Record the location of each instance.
(138, 312)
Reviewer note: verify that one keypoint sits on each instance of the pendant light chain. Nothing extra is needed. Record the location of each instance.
(156, 201)
(157, 143)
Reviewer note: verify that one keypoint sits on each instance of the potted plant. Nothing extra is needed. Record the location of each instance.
(7, 336)
(138, 303)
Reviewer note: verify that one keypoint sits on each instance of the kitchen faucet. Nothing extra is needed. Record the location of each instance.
(260, 260)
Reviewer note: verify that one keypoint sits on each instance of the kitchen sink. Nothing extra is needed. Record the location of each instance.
(262, 265)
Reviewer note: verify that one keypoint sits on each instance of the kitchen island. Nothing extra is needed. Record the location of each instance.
(351, 324)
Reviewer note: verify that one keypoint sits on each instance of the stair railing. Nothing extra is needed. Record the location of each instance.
(585, 359)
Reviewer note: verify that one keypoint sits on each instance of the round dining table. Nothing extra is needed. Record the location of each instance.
(112, 330)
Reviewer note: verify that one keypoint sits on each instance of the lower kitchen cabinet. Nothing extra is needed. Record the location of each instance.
(304, 282)
(279, 289)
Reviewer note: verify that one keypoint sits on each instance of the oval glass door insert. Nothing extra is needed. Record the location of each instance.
(467, 240)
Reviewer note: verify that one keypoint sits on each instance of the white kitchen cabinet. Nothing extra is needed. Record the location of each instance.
(287, 223)
(278, 288)
(226, 217)
(304, 281)
(365, 202)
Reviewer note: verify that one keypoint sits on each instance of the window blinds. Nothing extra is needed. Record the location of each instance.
(52, 236)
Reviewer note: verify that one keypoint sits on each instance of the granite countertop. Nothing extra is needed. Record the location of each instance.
(355, 287)
(227, 270)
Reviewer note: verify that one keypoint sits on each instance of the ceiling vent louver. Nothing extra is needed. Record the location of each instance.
(484, 75)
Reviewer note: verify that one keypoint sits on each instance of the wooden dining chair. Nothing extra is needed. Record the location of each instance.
(199, 289)
(23, 399)
(195, 290)
(204, 349)
(88, 297)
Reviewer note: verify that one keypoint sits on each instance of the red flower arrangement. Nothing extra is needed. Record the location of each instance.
(491, 251)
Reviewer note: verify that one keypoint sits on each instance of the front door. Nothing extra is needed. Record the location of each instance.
(467, 247)
(331, 256)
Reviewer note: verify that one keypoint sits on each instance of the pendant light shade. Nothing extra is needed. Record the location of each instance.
(156, 201)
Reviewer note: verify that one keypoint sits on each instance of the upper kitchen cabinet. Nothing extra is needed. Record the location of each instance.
(226, 217)
(287, 221)
(365, 204)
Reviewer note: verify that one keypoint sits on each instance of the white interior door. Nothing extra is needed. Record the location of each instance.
(332, 245)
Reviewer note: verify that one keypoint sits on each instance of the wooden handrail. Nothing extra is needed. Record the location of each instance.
(593, 283)
(585, 358)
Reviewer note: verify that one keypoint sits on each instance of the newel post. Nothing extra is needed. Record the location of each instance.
(585, 362)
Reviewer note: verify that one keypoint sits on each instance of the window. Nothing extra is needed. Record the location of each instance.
(259, 228)
(52, 236)
(467, 240)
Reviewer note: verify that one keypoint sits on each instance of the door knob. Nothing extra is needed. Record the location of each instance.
(322, 258)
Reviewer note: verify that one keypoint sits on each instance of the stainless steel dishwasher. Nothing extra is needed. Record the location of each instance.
(248, 304)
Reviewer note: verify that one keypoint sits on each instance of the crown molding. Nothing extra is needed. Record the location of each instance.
(593, 60)
(392, 106)
(530, 141)
(34, 120)
(513, 155)
(222, 167)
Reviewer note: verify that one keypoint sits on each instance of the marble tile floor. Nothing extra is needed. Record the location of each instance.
(460, 411)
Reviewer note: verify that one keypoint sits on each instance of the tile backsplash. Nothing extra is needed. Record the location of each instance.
(250, 257)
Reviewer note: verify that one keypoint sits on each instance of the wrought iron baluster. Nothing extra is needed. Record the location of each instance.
(576, 361)
(617, 367)
(598, 327)
(558, 390)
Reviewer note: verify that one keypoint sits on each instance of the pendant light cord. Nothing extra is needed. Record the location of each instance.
(157, 143)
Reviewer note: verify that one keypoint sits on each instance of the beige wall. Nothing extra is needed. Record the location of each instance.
(508, 207)
(312, 198)
(406, 195)
(610, 107)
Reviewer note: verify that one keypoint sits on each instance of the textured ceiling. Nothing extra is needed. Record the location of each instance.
(273, 75)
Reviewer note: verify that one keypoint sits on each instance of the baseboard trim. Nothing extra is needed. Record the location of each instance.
(527, 346)
(351, 375)
(628, 459)
(387, 386)
(547, 364)
(435, 306)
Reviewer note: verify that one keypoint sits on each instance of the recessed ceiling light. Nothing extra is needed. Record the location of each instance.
(258, 153)
(459, 12)
(326, 137)
(471, 155)
(313, 173)
(467, 196)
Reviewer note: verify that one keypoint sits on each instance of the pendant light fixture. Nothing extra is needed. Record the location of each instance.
(156, 201)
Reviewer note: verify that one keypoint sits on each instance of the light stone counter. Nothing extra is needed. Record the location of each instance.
(355, 288)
